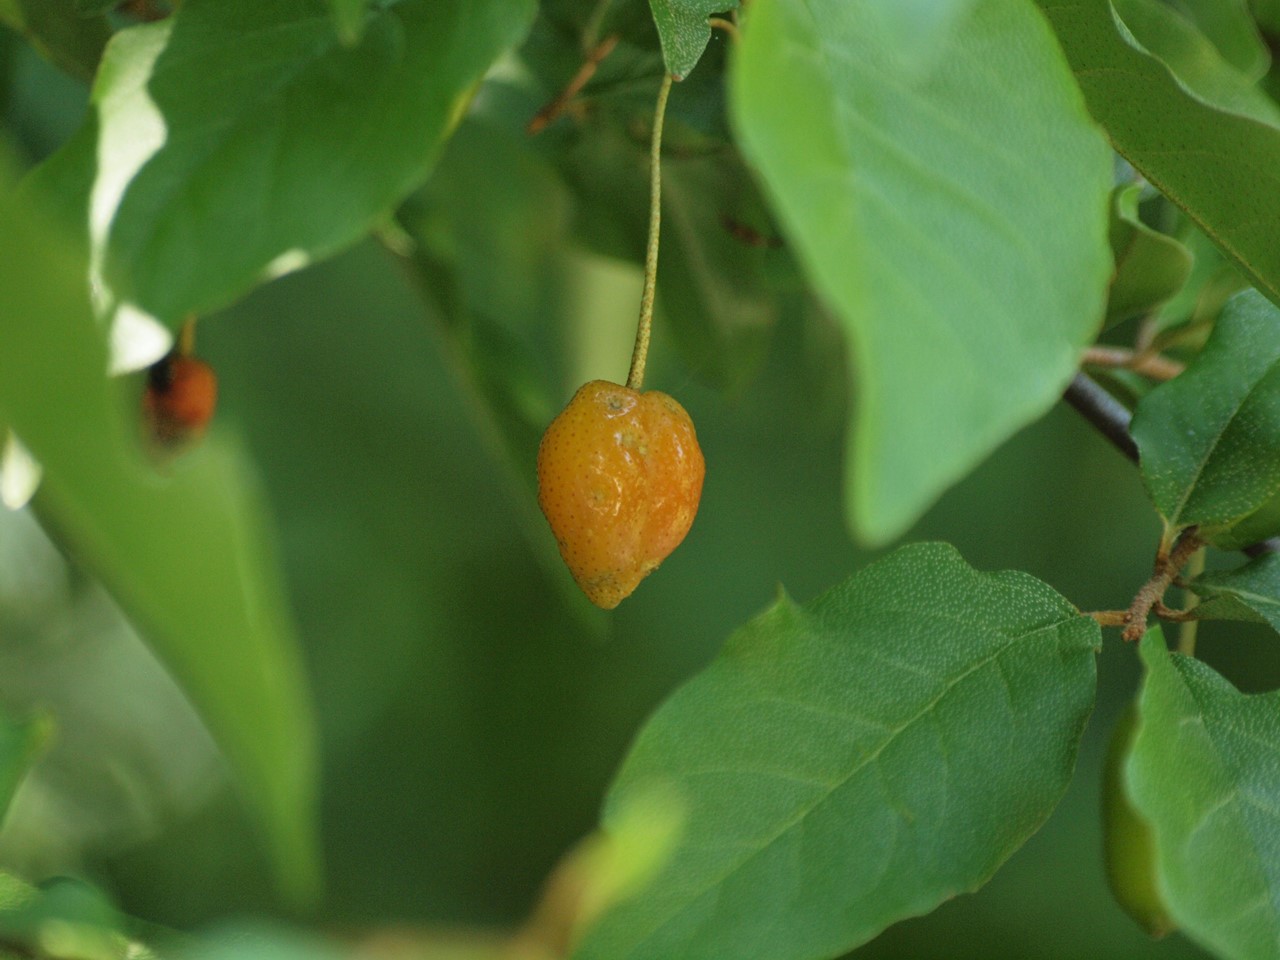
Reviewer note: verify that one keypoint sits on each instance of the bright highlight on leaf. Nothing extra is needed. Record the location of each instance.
(919, 202)
(1205, 774)
(856, 760)
(262, 109)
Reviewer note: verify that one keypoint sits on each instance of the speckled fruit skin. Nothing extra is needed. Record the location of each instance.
(619, 479)
(179, 400)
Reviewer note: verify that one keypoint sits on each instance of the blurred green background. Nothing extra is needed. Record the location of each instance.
(472, 707)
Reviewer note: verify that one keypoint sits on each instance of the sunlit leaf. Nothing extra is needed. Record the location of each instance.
(239, 140)
(920, 204)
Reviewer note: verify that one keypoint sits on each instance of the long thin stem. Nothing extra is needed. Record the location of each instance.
(640, 353)
(1154, 365)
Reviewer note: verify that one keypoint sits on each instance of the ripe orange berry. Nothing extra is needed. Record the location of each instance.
(179, 399)
(619, 479)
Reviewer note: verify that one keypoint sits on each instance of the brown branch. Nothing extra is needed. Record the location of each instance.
(580, 79)
(1110, 618)
(1153, 590)
(1153, 365)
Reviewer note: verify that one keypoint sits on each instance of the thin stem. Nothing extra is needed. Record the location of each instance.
(579, 80)
(1153, 590)
(728, 26)
(640, 353)
(1149, 364)
(1109, 618)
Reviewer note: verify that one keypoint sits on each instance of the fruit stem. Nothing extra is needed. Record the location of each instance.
(187, 337)
(640, 353)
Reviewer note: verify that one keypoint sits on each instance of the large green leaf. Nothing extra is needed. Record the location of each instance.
(183, 549)
(1205, 774)
(1209, 440)
(920, 204)
(1250, 593)
(684, 30)
(1150, 266)
(856, 760)
(243, 138)
(1221, 167)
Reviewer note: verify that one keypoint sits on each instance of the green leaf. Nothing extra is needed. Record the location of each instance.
(1250, 593)
(917, 30)
(1158, 29)
(243, 139)
(1209, 440)
(20, 743)
(1150, 266)
(1218, 166)
(1205, 774)
(1232, 30)
(1213, 281)
(684, 30)
(856, 760)
(919, 205)
(185, 550)
(58, 30)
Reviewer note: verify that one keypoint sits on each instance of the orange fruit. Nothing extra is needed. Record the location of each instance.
(619, 479)
(179, 400)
